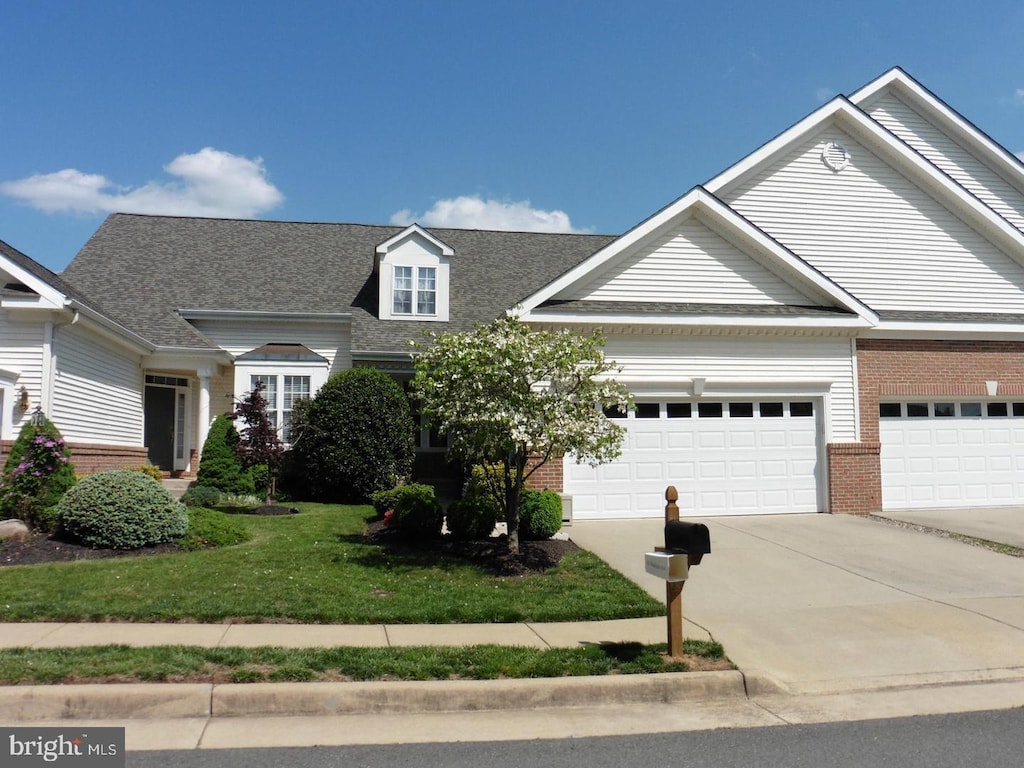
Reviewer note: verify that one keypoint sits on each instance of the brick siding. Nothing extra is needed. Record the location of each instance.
(89, 458)
(897, 369)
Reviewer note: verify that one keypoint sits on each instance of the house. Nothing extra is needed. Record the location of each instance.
(835, 323)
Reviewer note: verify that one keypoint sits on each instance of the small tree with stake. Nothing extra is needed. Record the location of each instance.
(259, 444)
(517, 398)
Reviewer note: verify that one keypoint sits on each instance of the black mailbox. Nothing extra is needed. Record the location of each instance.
(691, 539)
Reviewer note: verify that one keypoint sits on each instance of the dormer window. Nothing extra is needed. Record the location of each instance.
(415, 291)
(413, 268)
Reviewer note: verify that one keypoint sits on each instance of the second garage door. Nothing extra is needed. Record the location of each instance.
(952, 454)
(736, 457)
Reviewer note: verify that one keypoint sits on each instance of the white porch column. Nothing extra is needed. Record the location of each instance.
(203, 416)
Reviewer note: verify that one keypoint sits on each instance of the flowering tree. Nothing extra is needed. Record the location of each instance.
(36, 474)
(517, 398)
(258, 444)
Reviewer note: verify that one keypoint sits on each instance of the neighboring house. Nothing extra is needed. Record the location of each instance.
(835, 323)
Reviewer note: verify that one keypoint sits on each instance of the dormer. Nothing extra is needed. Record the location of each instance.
(413, 270)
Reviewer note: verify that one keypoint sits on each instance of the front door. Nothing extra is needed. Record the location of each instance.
(160, 423)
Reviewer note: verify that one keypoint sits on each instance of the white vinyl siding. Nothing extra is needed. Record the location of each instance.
(97, 389)
(877, 234)
(332, 341)
(745, 363)
(20, 353)
(691, 264)
(926, 137)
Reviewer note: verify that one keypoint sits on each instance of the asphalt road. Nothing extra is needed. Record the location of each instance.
(974, 740)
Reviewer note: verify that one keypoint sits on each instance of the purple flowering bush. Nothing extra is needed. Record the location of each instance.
(37, 474)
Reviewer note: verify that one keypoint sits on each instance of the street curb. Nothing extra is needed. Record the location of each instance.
(104, 701)
(201, 700)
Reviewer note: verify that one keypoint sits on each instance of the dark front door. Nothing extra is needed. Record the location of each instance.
(160, 426)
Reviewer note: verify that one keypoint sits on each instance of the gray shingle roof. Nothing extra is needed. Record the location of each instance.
(50, 278)
(147, 267)
(695, 309)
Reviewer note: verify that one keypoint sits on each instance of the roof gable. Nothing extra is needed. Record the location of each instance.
(694, 252)
(947, 139)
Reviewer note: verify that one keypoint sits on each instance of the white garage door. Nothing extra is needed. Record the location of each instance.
(725, 458)
(952, 454)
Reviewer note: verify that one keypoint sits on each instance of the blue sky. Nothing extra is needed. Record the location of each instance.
(556, 115)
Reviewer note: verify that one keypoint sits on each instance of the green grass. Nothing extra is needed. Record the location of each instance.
(315, 567)
(244, 665)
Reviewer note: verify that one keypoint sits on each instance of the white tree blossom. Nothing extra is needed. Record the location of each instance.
(518, 398)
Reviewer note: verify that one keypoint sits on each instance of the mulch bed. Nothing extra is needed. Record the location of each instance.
(491, 554)
(40, 548)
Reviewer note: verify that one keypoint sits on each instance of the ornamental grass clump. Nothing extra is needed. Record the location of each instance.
(36, 475)
(121, 509)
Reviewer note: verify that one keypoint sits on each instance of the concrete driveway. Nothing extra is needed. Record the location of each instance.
(831, 603)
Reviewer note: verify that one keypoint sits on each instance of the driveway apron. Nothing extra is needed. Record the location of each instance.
(830, 603)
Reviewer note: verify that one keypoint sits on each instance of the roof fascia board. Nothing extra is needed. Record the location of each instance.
(110, 329)
(446, 250)
(944, 331)
(962, 129)
(910, 162)
(55, 299)
(258, 316)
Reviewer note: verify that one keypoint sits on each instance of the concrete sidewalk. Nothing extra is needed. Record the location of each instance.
(533, 635)
(834, 603)
(1004, 525)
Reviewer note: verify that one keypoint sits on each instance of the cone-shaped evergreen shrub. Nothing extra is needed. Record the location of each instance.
(357, 437)
(37, 473)
(220, 466)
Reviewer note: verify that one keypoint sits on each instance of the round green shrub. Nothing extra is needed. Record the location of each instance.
(202, 496)
(208, 528)
(357, 437)
(540, 514)
(470, 519)
(220, 466)
(121, 509)
(418, 514)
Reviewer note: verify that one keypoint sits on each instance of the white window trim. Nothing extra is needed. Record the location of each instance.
(415, 290)
(317, 373)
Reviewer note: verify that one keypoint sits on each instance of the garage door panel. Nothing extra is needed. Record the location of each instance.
(729, 464)
(648, 441)
(954, 460)
(649, 471)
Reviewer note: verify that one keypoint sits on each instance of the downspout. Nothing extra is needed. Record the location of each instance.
(49, 372)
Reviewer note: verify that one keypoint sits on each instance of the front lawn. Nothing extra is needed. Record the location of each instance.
(175, 664)
(315, 567)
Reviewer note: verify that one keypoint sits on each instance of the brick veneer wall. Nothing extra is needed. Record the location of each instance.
(89, 458)
(898, 369)
(548, 477)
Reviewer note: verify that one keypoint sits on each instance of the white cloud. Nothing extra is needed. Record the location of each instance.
(473, 212)
(210, 183)
(824, 93)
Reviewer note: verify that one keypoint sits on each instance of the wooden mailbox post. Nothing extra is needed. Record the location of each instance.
(685, 545)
